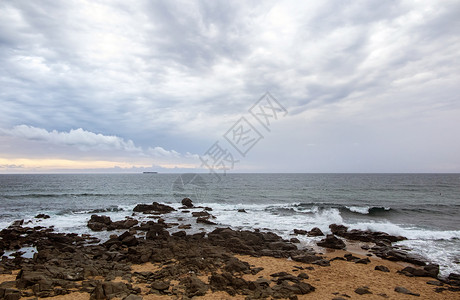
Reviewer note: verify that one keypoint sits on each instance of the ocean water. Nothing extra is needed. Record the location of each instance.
(425, 208)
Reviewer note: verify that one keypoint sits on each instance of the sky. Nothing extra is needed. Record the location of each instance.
(229, 86)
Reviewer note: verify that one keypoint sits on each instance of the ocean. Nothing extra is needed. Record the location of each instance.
(425, 208)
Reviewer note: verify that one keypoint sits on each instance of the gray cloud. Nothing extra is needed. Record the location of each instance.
(177, 74)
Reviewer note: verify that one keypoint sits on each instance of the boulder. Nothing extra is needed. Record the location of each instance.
(331, 241)
(154, 207)
(187, 202)
(315, 232)
(382, 269)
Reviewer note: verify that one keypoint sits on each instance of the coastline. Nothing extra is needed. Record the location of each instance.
(147, 261)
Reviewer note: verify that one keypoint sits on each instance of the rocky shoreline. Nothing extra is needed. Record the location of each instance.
(185, 265)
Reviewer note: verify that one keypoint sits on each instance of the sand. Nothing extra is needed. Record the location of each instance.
(339, 279)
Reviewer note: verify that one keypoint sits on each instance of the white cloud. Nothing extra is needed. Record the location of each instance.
(82, 139)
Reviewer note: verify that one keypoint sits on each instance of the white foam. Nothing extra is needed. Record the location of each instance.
(359, 209)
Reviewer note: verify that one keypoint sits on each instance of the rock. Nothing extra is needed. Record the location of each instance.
(123, 224)
(99, 223)
(303, 276)
(435, 282)
(364, 261)
(154, 207)
(300, 231)
(402, 290)
(185, 226)
(241, 210)
(201, 214)
(187, 202)
(205, 221)
(133, 297)
(160, 285)
(364, 236)
(315, 232)
(413, 272)
(381, 268)
(363, 290)
(294, 240)
(454, 276)
(17, 223)
(332, 242)
(194, 286)
(432, 270)
(179, 234)
(306, 258)
(236, 265)
(42, 216)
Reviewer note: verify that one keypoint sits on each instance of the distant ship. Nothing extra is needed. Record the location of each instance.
(150, 172)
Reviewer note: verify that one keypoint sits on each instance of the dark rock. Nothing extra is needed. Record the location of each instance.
(201, 214)
(42, 216)
(454, 276)
(187, 202)
(179, 234)
(294, 240)
(236, 265)
(363, 290)
(315, 232)
(303, 276)
(205, 221)
(381, 268)
(133, 297)
(432, 270)
(160, 285)
(194, 286)
(17, 223)
(300, 231)
(99, 223)
(242, 210)
(154, 207)
(332, 242)
(402, 290)
(322, 263)
(306, 258)
(364, 261)
(435, 282)
(413, 272)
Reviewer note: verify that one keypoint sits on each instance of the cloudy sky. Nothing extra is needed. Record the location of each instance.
(118, 86)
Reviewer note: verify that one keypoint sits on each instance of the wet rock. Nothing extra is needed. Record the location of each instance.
(363, 290)
(205, 220)
(300, 231)
(185, 226)
(294, 240)
(187, 202)
(402, 290)
(331, 241)
(179, 234)
(17, 223)
(315, 232)
(123, 224)
(99, 223)
(381, 268)
(203, 213)
(242, 210)
(42, 216)
(413, 272)
(154, 207)
(363, 235)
